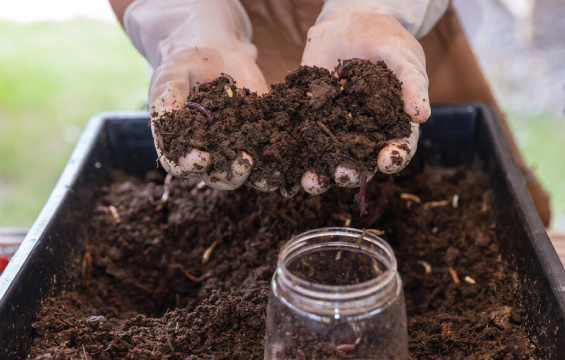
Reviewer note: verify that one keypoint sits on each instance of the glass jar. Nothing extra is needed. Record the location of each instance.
(336, 294)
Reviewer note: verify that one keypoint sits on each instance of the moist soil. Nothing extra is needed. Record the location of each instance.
(345, 116)
(188, 277)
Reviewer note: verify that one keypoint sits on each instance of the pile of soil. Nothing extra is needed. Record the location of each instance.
(188, 278)
(313, 120)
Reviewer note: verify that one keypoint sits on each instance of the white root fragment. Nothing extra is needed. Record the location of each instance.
(433, 204)
(345, 218)
(86, 263)
(412, 197)
(455, 201)
(166, 191)
(426, 265)
(208, 252)
(470, 280)
(375, 232)
(345, 347)
(228, 90)
(114, 212)
(194, 278)
(357, 341)
(201, 185)
(484, 208)
(454, 275)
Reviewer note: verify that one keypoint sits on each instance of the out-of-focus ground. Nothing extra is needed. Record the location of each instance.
(520, 45)
(56, 71)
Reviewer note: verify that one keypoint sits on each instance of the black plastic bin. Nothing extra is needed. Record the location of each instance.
(453, 136)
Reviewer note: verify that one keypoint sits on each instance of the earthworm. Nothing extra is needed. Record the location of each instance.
(362, 188)
(349, 157)
(242, 97)
(343, 64)
(206, 82)
(231, 81)
(193, 105)
(160, 144)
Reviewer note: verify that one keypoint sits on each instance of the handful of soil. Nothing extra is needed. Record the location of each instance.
(313, 121)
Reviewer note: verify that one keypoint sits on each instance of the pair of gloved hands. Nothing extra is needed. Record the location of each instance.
(189, 41)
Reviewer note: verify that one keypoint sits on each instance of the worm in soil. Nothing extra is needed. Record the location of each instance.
(362, 191)
(202, 109)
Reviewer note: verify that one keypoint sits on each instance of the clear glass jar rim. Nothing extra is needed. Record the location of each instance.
(337, 292)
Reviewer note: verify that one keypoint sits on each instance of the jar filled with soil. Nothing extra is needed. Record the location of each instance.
(336, 294)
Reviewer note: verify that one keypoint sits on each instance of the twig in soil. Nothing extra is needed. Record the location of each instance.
(328, 131)
(376, 232)
(345, 218)
(454, 275)
(484, 207)
(433, 204)
(470, 280)
(411, 197)
(84, 352)
(208, 252)
(170, 344)
(362, 191)
(202, 109)
(426, 265)
(346, 347)
(201, 185)
(86, 263)
(462, 238)
(360, 238)
(166, 191)
(194, 278)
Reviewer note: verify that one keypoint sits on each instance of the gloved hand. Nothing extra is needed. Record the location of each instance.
(189, 41)
(367, 29)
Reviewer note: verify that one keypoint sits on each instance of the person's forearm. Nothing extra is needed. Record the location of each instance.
(119, 7)
(417, 16)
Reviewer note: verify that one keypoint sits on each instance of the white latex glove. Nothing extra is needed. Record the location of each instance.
(367, 29)
(190, 41)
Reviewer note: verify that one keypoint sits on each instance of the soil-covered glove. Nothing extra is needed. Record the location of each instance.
(376, 30)
(190, 41)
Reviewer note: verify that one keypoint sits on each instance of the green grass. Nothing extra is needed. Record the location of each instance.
(540, 138)
(53, 77)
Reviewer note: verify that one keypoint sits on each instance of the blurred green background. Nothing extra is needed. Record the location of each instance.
(55, 75)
